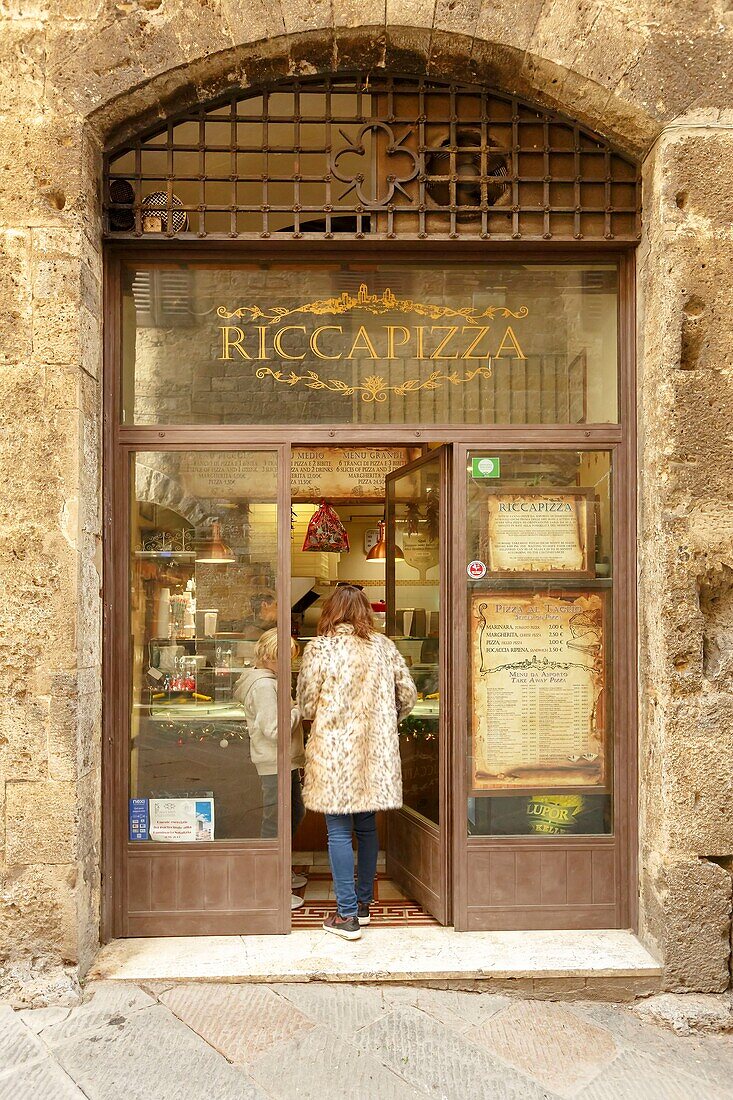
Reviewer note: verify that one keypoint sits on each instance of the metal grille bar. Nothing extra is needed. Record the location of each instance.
(370, 156)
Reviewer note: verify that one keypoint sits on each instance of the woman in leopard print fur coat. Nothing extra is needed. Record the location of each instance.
(355, 687)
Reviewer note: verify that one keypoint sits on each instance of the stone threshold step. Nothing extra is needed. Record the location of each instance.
(607, 965)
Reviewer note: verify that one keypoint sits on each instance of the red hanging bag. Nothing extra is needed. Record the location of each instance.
(326, 533)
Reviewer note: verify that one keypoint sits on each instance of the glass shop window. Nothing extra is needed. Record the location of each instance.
(539, 592)
(203, 622)
(346, 342)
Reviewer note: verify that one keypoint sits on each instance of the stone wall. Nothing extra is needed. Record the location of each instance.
(74, 74)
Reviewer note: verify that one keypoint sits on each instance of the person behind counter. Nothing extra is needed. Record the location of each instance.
(264, 614)
(355, 686)
(256, 690)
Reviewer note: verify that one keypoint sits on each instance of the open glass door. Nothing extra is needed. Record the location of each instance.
(417, 572)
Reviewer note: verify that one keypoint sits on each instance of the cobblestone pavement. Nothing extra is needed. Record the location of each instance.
(328, 1041)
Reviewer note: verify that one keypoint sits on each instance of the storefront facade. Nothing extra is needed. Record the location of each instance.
(441, 322)
(421, 279)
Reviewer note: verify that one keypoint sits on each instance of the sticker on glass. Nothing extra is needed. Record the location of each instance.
(476, 570)
(485, 467)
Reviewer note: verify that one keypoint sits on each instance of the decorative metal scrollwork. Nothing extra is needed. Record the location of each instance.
(375, 188)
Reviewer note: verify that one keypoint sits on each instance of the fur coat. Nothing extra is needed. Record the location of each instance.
(355, 691)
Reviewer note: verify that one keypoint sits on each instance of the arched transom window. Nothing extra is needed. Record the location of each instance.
(371, 156)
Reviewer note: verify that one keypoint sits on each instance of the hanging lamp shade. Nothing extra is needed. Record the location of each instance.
(378, 552)
(214, 551)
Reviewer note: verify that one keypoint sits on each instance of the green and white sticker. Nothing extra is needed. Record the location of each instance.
(485, 467)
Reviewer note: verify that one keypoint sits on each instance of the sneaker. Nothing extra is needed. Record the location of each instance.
(346, 927)
(295, 901)
(363, 915)
(297, 881)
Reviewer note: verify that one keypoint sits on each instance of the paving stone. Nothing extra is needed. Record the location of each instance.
(548, 1042)
(151, 1056)
(451, 1006)
(104, 1003)
(240, 1021)
(43, 1080)
(708, 1059)
(440, 1060)
(320, 1066)
(344, 1008)
(38, 1018)
(635, 1075)
(18, 1045)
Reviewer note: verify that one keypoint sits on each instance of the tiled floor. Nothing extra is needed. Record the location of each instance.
(392, 907)
(320, 884)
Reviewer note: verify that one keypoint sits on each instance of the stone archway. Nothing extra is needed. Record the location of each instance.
(79, 79)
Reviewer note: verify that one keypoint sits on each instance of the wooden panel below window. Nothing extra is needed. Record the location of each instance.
(208, 892)
(414, 862)
(542, 885)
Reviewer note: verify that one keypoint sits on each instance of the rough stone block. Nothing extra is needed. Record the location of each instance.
(45, 895)
(507, 24)
(435, 1059)
(548, 1043)
(15, 295)
(306, 15)
(690, 1014)
(242, 1022)
(692, 925)
(329, 1066)
(457, 18)
(699, 775)
(22, 65)
(42, 1080)
(23, 733)
(342, 1008)
(101, 1062)
(104, 1004)
(40, 822)
(18, 1044)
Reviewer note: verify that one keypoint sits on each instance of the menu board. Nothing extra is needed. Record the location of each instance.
(538, 675)
(346, 473)
(540, 532)
(337, 473)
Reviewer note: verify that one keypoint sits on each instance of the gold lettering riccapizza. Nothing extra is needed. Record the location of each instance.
(292, 343)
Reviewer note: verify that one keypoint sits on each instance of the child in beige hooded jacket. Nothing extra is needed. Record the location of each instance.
(256, 690)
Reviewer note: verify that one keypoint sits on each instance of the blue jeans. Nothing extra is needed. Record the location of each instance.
(341, 855)
(268, 827)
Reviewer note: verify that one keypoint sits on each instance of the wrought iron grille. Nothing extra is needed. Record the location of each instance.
(371, 156)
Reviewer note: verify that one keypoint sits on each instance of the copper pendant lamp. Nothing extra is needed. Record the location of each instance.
(214, 551)
(378, 552)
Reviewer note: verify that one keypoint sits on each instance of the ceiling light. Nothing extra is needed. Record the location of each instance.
(378, 552)
(214, 551)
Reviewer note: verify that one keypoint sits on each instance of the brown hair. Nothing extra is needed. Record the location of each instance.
(347, 604)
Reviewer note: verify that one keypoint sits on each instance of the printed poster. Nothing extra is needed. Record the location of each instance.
(540, 532)
(538, 675)
(182, 820)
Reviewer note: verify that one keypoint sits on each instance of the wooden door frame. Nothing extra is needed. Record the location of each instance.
(444, 455)
(623, 837)
(120, 656)
(120, 439)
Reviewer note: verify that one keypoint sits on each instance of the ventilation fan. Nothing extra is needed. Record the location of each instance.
(468, 171)
(157, 216)
(121, 202)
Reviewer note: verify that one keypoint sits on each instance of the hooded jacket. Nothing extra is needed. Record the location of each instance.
(256, 690)
(356, 690)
